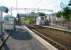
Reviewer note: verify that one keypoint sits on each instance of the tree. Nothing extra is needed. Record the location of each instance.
(69, 3)
(41, 14)
(67, 16)
(59, 14)
(67, 13)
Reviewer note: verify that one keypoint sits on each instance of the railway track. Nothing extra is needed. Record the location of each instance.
(59, 39)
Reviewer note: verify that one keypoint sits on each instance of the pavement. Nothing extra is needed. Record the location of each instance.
(22, 40)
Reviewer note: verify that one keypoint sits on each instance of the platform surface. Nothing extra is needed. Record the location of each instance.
(22, 40)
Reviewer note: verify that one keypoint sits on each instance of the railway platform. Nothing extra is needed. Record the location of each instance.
(22, 39)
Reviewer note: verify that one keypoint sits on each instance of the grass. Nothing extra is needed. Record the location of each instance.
(28, 20)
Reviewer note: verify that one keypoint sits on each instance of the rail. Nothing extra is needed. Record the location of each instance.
(58, 44)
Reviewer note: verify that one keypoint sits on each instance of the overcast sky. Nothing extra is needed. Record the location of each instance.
(43, 4)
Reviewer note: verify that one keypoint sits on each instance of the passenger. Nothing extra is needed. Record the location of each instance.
(46, 22)
(2, 36)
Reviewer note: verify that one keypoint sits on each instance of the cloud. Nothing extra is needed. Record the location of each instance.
(44, 4)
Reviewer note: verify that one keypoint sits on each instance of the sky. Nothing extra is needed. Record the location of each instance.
(54, 5)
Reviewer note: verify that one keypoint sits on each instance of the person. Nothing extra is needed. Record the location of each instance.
(38, 19)
(42, 21)
(2, 36)
(1, 30)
